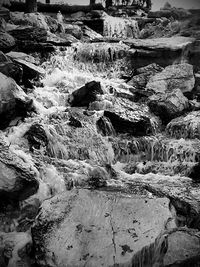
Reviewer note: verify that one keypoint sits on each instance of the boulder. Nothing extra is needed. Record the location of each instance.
(29, 33)
(37, 20)
(177, 247)
(74, 30)
(20, 55)
(9, 68)
(185, 126)
(17, 178)
(163, 51)
(179, 76)
(30, 70)
(7, 42)
(95, 228)
(169, 105)
(131, 118)
(86, 94)
(143, 75)
(13, 101)
(182, 192)
(15, 249)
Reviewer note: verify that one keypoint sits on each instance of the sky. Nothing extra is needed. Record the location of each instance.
(157, 4)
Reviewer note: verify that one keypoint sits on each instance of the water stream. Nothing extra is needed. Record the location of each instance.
(66, 158)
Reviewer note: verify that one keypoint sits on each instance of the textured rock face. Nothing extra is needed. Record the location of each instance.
(163, 51)
(100, 229)
(9, 68)
(7, 42)
(86, 94)
(169, 105)
(179, 76)
(17, 180)
(140, 80)
(185, 126)
(13, 100)
(131, 118)
(23, 33)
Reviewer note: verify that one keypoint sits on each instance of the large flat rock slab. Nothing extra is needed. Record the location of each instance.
(95, 228)
(172, 43)
(163, 51)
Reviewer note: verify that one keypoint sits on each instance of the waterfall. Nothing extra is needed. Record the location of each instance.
(120, 27)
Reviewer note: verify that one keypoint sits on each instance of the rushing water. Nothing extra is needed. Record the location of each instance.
(68, 158)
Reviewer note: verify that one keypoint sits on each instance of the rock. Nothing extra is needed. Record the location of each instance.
(178, 247)
(182, 192)
(30, 70)
(185, 126)
(23, 33)
(78, 15)
(13, 101)
(20, 55)
(89, 34)
(2, 24)
(162, 51)
(4, 13)
(169, 105)
(179, 76)
(131, 118)
(37, 20)
(32, 46)
(7, 42)
(10, 69)
(15, 249)
(105, 126)
(86, 94)
(36, 137)
(74, 30)
(17, 178)
(112, 230)
(140, 80)
(176, 13)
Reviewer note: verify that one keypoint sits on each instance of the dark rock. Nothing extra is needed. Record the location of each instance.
(86, 94)
(169, 105)
(132, 223)
(195, 173)
(131, 118)
(128, 124)
(36, 136)
(13, 101)
(31, 46)
(30, 70)
(17, 179)
(7, 42)
(23, 33)
(74, 122)
(10, 69)
(140, 80)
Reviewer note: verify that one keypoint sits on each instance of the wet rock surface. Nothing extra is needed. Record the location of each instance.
(106, 236)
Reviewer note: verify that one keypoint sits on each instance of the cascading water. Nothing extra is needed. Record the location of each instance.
(68, 156)
(118, 27)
